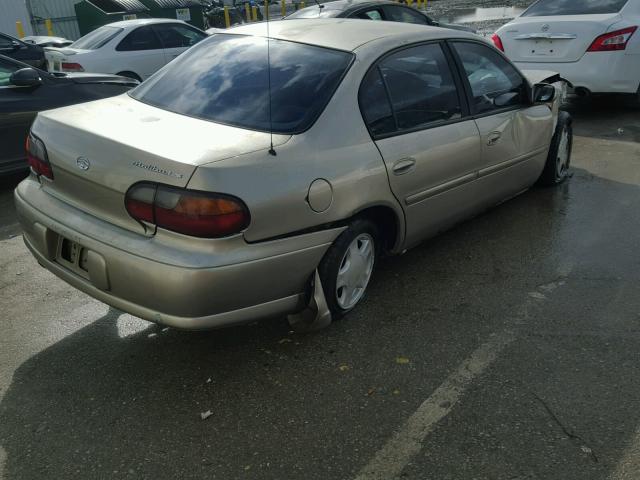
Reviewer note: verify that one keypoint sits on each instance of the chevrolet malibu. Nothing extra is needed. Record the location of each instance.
(235, 185)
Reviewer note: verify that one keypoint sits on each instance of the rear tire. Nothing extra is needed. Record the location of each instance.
(132, 75)
(348, 266)
(556, 170)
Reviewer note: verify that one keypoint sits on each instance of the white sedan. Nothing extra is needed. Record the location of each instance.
(592, 43)
(131, 48)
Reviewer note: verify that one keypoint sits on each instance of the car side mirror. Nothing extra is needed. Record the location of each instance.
(25, 77)
(16, 45)
(507, 99)
(543, 93)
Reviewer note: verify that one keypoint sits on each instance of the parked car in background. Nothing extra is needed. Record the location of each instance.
(131, 48)
(183, 200)
(595, 44)
(372, 10)
(46, 41)
(25, 52)
(24, 91)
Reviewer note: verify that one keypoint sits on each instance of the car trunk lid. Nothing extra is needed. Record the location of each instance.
(553, 39)
(98, 150)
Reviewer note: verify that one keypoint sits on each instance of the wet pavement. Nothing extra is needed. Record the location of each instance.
(506, 348)
(509, 346)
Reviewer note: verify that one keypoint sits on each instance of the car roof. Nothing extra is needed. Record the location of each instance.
(344, 5)
(142, 21)
(345, 33)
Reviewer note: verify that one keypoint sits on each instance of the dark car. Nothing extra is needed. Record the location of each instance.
(24, 91)
(372, 10)
(25, 52)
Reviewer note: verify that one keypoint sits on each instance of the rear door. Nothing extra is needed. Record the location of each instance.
(176, 38)
(559, 30)
(512, 130)
(413, 107)
(139, 52)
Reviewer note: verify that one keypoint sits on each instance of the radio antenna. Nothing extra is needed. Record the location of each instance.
(271, 149)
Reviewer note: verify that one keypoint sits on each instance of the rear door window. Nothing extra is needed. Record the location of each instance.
(490, 76)
(375, 105)
(142, 38)
(177, 36)
(544, 8)
(419, 85)
(404, 14)
(369, 14)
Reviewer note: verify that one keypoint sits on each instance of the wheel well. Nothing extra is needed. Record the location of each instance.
(387, 222)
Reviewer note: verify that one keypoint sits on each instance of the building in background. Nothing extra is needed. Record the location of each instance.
(60, 12)
(12, 11)
(64, 22)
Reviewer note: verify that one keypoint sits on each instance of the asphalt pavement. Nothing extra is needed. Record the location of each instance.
(506, 348)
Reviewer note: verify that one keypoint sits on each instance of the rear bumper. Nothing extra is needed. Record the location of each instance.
(599, 72)
(230, 282)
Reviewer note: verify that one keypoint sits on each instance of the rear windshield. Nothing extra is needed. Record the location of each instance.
(545, 8)
(96, 39)
(315, 12)
(225, 79)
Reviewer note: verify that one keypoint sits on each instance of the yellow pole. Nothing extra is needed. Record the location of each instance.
(49, 25)
(410, 3)
(302, 4)
(254, 13)
(247, 11)
(227, 19)
(266, 10)
(283, 8)
(19, 29)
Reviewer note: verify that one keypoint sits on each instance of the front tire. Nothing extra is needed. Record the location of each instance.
(347, 267)
(556, 170)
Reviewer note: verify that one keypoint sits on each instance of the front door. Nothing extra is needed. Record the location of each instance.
(515, 134)
(415, 112)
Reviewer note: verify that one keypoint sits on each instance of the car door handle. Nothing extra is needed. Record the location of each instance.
(404, 166)
(493, 138)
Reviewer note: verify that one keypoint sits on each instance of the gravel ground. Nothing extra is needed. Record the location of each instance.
(451, 10)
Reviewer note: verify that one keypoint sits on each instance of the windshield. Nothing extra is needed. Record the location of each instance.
(315, 12)
(544, 8)
(96, 39)
(225, 79)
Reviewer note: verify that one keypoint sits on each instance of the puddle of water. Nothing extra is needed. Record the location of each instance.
(471, 15)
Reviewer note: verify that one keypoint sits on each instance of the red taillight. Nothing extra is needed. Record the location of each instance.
(71, 67)
(612, 41)
(37, 157)
(497, 41)
(198, 214)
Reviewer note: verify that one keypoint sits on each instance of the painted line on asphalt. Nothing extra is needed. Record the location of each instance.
(391, 459)
(389, 462)
(628, 468)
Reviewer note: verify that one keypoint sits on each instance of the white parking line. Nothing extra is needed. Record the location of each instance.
(389, 462)
(628, 467)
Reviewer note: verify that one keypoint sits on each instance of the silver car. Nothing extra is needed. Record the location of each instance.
(229, 188)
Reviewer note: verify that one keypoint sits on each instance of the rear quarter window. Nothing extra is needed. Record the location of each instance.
(545, 8)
